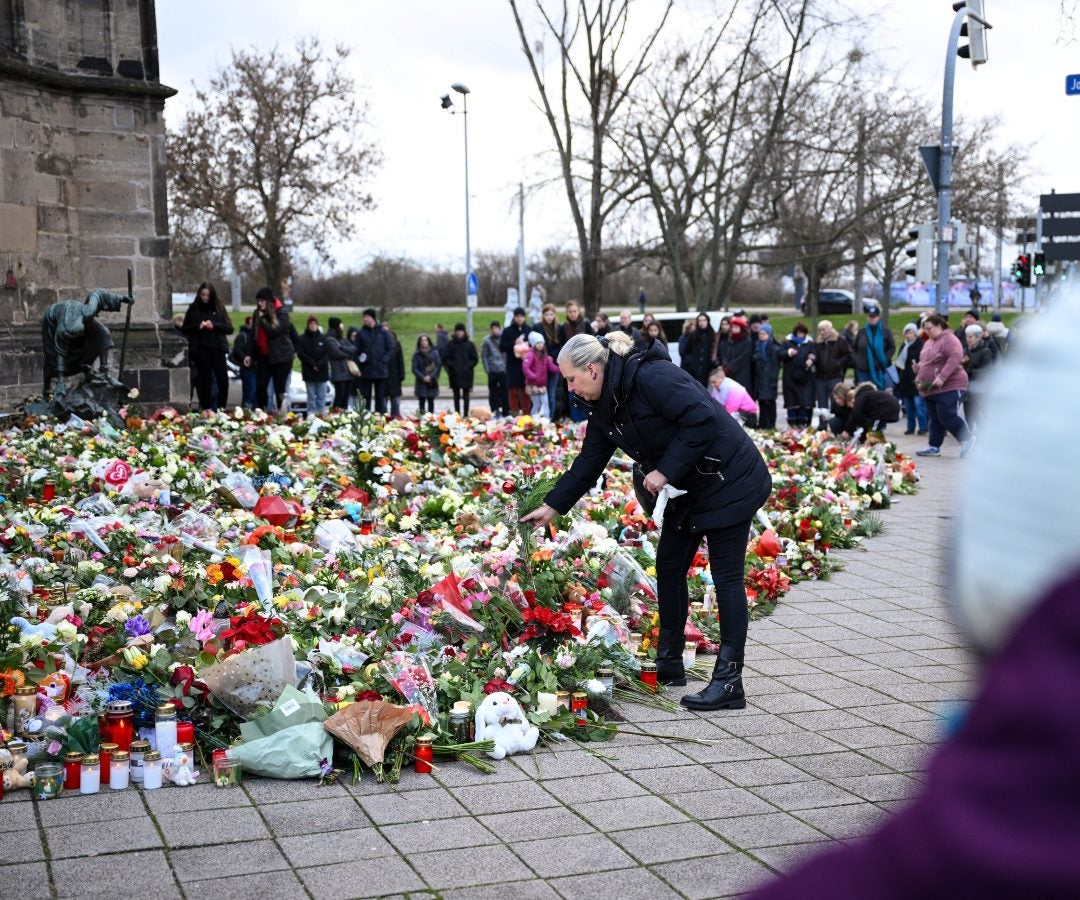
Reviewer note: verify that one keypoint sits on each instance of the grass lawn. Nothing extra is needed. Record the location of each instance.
(408, 326)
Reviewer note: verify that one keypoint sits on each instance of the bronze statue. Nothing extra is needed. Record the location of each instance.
(74, 340)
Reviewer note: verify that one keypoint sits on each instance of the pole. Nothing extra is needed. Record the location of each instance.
(127, 324)
(860, 248)
(941, 304)
(521, 244)
(1000, 235)
(1036, 249)
(468, 246)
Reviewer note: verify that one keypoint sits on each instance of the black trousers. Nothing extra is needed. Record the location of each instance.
(342, 393)
(727, 555)
(265, 373)
(210, 369)
(379, 387)
(767, 414)
(497, 393)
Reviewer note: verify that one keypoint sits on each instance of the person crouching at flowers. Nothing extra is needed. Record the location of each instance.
(661, 416)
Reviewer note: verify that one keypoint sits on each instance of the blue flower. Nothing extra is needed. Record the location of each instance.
(137, 626)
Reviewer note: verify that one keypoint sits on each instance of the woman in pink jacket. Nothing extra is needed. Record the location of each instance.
(537, 365)
(941, 379)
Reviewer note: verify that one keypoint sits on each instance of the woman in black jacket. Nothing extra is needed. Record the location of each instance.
(460, 360)
(395, 373)
(274, 351)
(796, 353)
(907, 361)
(696, 350)
(206, 325)
(736, 353)
(341, 352)
(677, 434)
(314, 366)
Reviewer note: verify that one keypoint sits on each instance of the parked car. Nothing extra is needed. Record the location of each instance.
(672, 323)
(295, 391)
(831, 300)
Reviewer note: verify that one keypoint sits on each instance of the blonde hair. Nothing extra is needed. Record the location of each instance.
(587, 349)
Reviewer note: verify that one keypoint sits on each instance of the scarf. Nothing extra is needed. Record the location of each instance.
(763, 349)
(901, 357)
(875, 355)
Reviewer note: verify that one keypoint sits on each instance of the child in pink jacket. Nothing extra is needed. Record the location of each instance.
(537, 365)
(733, 397)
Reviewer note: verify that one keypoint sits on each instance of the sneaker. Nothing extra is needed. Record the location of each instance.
(929, 451)
(966, 448)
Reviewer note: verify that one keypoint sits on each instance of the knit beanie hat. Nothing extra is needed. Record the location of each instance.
(334, 322)
(314, 319)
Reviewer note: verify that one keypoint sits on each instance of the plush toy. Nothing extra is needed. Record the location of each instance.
(44, 628)
(182, 771)
(15, 774)
(499, 718)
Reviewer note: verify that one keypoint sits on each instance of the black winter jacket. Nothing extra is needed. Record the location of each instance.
(798, 379)
(279, 344)
(766, 371)
(373, 352)
(395, 373)
(460, 360)
(515, 376)
(243, 345)
(314, 359)
(340, 351)
(664, 419)
(871, 407)
(203, 340)
(906, 386)
(696, 353)
(737, 359)
(832, 359)
(862, 349)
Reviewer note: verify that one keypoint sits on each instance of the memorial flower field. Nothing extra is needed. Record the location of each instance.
(318, 594)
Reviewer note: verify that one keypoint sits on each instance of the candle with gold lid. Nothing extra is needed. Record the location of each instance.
(72, 770)
(90, 777)
(119, 770)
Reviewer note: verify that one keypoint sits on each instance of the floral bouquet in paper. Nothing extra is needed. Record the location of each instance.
(251, 681)
(410, 676)
(368, 727)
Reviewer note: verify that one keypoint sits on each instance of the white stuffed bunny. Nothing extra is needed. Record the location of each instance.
(499, 718)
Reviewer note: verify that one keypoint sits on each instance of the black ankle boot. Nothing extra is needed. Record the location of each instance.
(669, 667)
(725, 690)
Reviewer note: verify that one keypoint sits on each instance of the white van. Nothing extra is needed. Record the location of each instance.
(672, 323)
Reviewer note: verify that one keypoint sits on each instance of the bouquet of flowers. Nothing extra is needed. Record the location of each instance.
(410, 676)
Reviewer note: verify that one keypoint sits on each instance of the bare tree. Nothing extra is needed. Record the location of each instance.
(598, 68)
(272, 158)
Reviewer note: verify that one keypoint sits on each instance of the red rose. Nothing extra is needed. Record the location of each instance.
(369, 695)
(183, 677)
(426, 598)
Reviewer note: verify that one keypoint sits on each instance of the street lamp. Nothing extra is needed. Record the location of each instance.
(470, 278)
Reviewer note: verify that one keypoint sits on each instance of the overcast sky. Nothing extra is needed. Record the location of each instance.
(406, 53)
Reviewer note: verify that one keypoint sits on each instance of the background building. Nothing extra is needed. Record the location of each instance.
(82, 182)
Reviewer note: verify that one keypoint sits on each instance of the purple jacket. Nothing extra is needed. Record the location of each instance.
(942, 357)
(999, 815)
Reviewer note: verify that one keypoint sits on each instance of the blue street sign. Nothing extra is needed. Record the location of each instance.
(1072, 84)
(472, 284)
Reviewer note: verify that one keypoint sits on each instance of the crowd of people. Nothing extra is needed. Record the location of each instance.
(931, 380)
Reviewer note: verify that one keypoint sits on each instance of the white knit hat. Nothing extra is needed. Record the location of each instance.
(535, 337)
(1019, 489)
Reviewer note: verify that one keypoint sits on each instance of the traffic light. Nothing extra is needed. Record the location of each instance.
(975, 32)
(1038, 266)
(1022, 271)
(923, 253)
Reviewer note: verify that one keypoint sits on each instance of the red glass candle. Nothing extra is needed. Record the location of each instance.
(72, 771)
(120, 724)
(367, 525)
(48, 492)
(105, 752)
(424, 755)
(648, 674)
(185, 732)
(579, 706)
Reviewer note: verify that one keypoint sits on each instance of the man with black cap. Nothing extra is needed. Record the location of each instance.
(519, 402)
(874, 349)
(373, 352)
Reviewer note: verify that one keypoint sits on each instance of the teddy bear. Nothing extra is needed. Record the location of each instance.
(499, 718)
(15, 774)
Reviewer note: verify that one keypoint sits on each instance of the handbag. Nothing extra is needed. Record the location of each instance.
(353, 368)
(892, 375)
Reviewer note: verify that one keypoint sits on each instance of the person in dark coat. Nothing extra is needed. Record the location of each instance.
(314, 366)
(575, 323)
(795, 354)
(340, 351)
(395, 373)
(978, 360)
(766, 369)
(696, 349)
(518, 401)
(832, 358)
(494, 363)
(373, 352)
(871, 410)
(907, 360)
(874, 348)
(460, 362)
(241, 354)
(207, 325)
(426, 365)
(274, 350)
(660, 416)
(736, 352)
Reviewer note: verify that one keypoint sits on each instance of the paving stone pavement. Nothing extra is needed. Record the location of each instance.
(845, 685)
